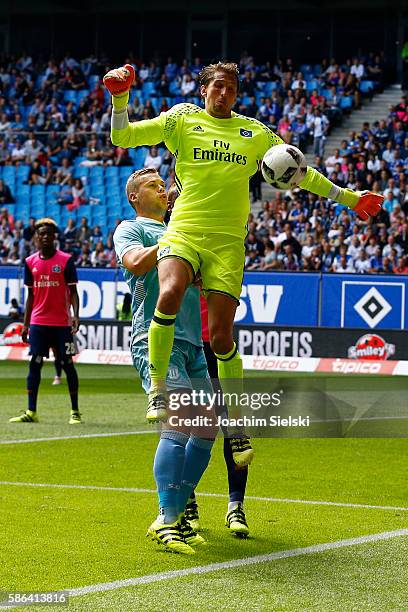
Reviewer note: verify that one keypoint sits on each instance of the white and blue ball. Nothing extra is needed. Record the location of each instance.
(284, 166)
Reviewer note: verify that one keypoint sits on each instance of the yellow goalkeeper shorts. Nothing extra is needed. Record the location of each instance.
(220, 258)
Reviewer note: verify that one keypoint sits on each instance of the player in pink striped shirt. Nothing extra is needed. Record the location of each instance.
(51, 278)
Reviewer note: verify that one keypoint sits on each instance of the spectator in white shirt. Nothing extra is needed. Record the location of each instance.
(362, 264)
(354, 248)
(188, 85)
(357, 69)
(343, 266)
(391, 244)
(332, 160)
(153, 159)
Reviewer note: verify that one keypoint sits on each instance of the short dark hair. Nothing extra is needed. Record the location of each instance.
(208, 72)
(46, 222)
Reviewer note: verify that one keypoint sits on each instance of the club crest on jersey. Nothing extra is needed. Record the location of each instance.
(245, 133)
(56, 268)
(198, 128)
(164, 251)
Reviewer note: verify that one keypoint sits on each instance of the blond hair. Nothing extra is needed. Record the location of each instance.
(47, 222)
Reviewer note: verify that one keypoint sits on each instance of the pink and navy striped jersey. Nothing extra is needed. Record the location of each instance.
(50, 280)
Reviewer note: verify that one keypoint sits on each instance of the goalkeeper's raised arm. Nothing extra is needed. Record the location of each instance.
(123, 133)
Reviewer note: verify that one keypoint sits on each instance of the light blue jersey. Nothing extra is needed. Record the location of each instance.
(144, 232)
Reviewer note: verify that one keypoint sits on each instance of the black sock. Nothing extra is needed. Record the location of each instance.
(33, 381)
(72, 380)
(237, 476)
(58, 368)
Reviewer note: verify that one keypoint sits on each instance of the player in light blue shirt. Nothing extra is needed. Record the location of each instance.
(183, 453)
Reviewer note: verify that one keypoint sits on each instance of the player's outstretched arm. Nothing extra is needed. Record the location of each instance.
(365, 203)
(123, 133)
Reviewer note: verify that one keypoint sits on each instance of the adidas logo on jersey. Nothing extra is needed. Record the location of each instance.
(198, 128)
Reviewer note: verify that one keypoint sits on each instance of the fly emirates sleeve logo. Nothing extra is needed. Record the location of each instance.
(220, 152)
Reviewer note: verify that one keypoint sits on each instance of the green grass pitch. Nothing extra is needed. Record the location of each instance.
(90, 529)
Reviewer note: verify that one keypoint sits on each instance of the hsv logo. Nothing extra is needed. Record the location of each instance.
(56, 268)
(245, 133)
(371, 347)
(372, 307)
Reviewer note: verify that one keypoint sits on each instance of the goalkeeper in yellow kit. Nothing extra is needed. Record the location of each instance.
(216, 152)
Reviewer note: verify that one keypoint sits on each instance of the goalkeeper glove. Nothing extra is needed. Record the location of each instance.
(369, 204)
(119, 80)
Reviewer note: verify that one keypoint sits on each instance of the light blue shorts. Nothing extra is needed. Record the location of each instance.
(187, 367)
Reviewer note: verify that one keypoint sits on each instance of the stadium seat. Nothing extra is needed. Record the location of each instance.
(148, 88)
(112, 171)
(38, 192)
(23, 189)
(269, 87)
(9, 174)
(82, 93)
(346, 102)
(306, 69)
(11, 209)
(93, 80)
(22, 172)
(70, 95)
(312, 84)
(366, 86)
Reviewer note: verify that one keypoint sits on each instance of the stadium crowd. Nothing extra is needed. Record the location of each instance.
(55, 147)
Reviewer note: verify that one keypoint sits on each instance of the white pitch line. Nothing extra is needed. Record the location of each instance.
(278, 500)
(138, 433)
(235, 563)
(78, 437)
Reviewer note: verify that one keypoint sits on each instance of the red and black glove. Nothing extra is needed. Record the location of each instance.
(369, 205)
(119, 80)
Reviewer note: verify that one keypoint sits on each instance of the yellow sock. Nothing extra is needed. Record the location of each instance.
(161, 338)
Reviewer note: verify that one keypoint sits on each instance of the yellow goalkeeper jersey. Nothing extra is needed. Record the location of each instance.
(214, 160)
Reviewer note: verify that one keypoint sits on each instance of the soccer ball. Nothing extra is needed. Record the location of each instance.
(284, 166)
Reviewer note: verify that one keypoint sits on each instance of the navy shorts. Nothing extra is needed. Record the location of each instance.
(44, 337)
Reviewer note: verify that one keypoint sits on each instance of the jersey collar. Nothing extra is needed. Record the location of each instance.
(140, 217)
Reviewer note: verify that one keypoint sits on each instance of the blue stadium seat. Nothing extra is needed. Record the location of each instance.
(9, 174)
(96, 179)
(53, 189)
(269, 87)
(112, 171)
(174, 88)
(317, 69)
(260, 85)
(96, 171)
(366, 86)
(22, 172)
(23, 189)
(82, 93)
(70, 95)
(80, 172)
(11, 208)
(346, 102)
(306, 69)
(37, 209)
(148, 88)
(93, 80)
(312, 84)
(37, 190)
